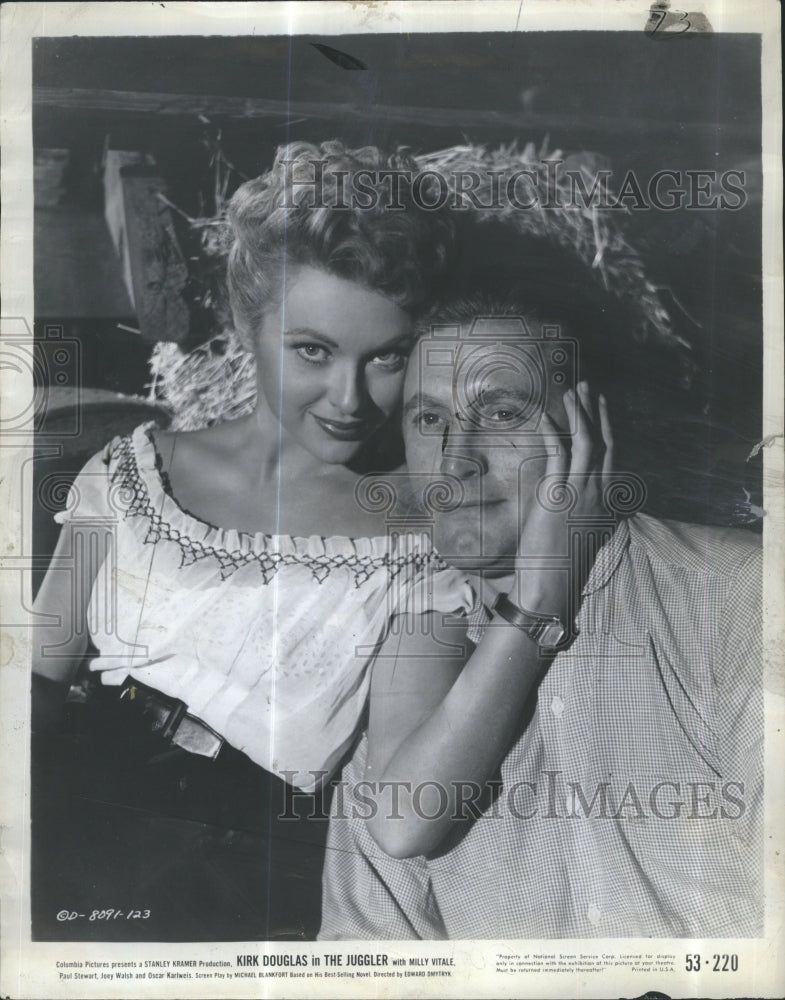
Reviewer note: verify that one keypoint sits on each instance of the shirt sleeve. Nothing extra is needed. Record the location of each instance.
(738, 671)
(367, 895)
(89, 495)
(739, 720)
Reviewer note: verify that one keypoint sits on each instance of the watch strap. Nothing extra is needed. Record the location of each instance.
(533, 624)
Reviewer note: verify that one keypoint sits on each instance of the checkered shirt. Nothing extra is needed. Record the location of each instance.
(631, 803)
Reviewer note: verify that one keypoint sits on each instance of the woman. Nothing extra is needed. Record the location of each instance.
(227, 576)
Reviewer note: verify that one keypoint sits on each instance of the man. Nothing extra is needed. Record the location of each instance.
(631, 802)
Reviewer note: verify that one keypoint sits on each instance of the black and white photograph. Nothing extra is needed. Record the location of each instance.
(392, 469)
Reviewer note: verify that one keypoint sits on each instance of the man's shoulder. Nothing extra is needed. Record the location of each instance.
(710, 550)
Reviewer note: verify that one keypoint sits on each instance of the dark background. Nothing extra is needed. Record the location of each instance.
(645, 103)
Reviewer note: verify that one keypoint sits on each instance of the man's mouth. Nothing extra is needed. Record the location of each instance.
(343, 430)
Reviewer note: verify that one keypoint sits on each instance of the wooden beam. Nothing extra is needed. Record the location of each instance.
(140, 222)
(119, 102)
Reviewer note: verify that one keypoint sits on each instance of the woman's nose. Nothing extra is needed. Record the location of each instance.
(346, 391)
(460, 456)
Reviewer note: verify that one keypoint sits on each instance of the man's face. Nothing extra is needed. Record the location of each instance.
(472, 416)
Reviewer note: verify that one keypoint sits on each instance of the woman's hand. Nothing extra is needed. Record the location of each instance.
(559, 542)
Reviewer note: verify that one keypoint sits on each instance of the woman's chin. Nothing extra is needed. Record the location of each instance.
(335, 452)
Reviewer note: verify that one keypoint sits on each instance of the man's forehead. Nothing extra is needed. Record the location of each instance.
(472, 366)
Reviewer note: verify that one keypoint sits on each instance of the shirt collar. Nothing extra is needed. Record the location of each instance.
(608, 558)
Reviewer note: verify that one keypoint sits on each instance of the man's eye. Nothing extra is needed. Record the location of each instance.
(429, 420)
(503, 415)
(313, 352)
(390, 360)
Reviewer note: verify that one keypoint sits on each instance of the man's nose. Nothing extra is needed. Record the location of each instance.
(461, 457)
(346, 391)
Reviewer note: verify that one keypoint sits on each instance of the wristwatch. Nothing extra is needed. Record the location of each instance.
(548, 631)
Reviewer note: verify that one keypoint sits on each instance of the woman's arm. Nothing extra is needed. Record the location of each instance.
(60, 633)
(435, 723)
(438, 729)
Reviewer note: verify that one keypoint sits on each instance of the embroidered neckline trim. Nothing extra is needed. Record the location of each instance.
(142, 493)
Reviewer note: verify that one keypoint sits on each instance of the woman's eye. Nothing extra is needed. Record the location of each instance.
(392, 360)
(313, 352)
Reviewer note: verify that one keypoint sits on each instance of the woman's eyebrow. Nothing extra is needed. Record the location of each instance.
(307, 331)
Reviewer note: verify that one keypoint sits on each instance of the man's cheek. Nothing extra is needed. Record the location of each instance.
(457, 536)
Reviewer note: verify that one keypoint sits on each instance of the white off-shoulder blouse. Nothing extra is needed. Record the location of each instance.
(266, 638)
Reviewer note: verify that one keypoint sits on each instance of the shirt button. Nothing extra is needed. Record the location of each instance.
(557, 706)
(593, 913)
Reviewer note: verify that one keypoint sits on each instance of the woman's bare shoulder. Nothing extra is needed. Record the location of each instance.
(205, 446)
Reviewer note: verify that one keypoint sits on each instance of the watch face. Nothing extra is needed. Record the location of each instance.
(551, 635)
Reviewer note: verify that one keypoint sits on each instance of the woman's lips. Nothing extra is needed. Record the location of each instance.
(343, 430)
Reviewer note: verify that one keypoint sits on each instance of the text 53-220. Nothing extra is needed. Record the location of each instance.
(718, 963)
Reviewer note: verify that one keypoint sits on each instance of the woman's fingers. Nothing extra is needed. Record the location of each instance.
(591, 458)
(586, 400)
(582, 428)
(558, 455)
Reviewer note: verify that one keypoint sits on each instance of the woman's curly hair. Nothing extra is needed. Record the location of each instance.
(294, 214)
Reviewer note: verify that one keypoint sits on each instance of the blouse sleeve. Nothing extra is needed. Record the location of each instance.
(446, 590)
(89, 494)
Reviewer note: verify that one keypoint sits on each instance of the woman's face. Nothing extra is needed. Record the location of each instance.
(330, 362)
